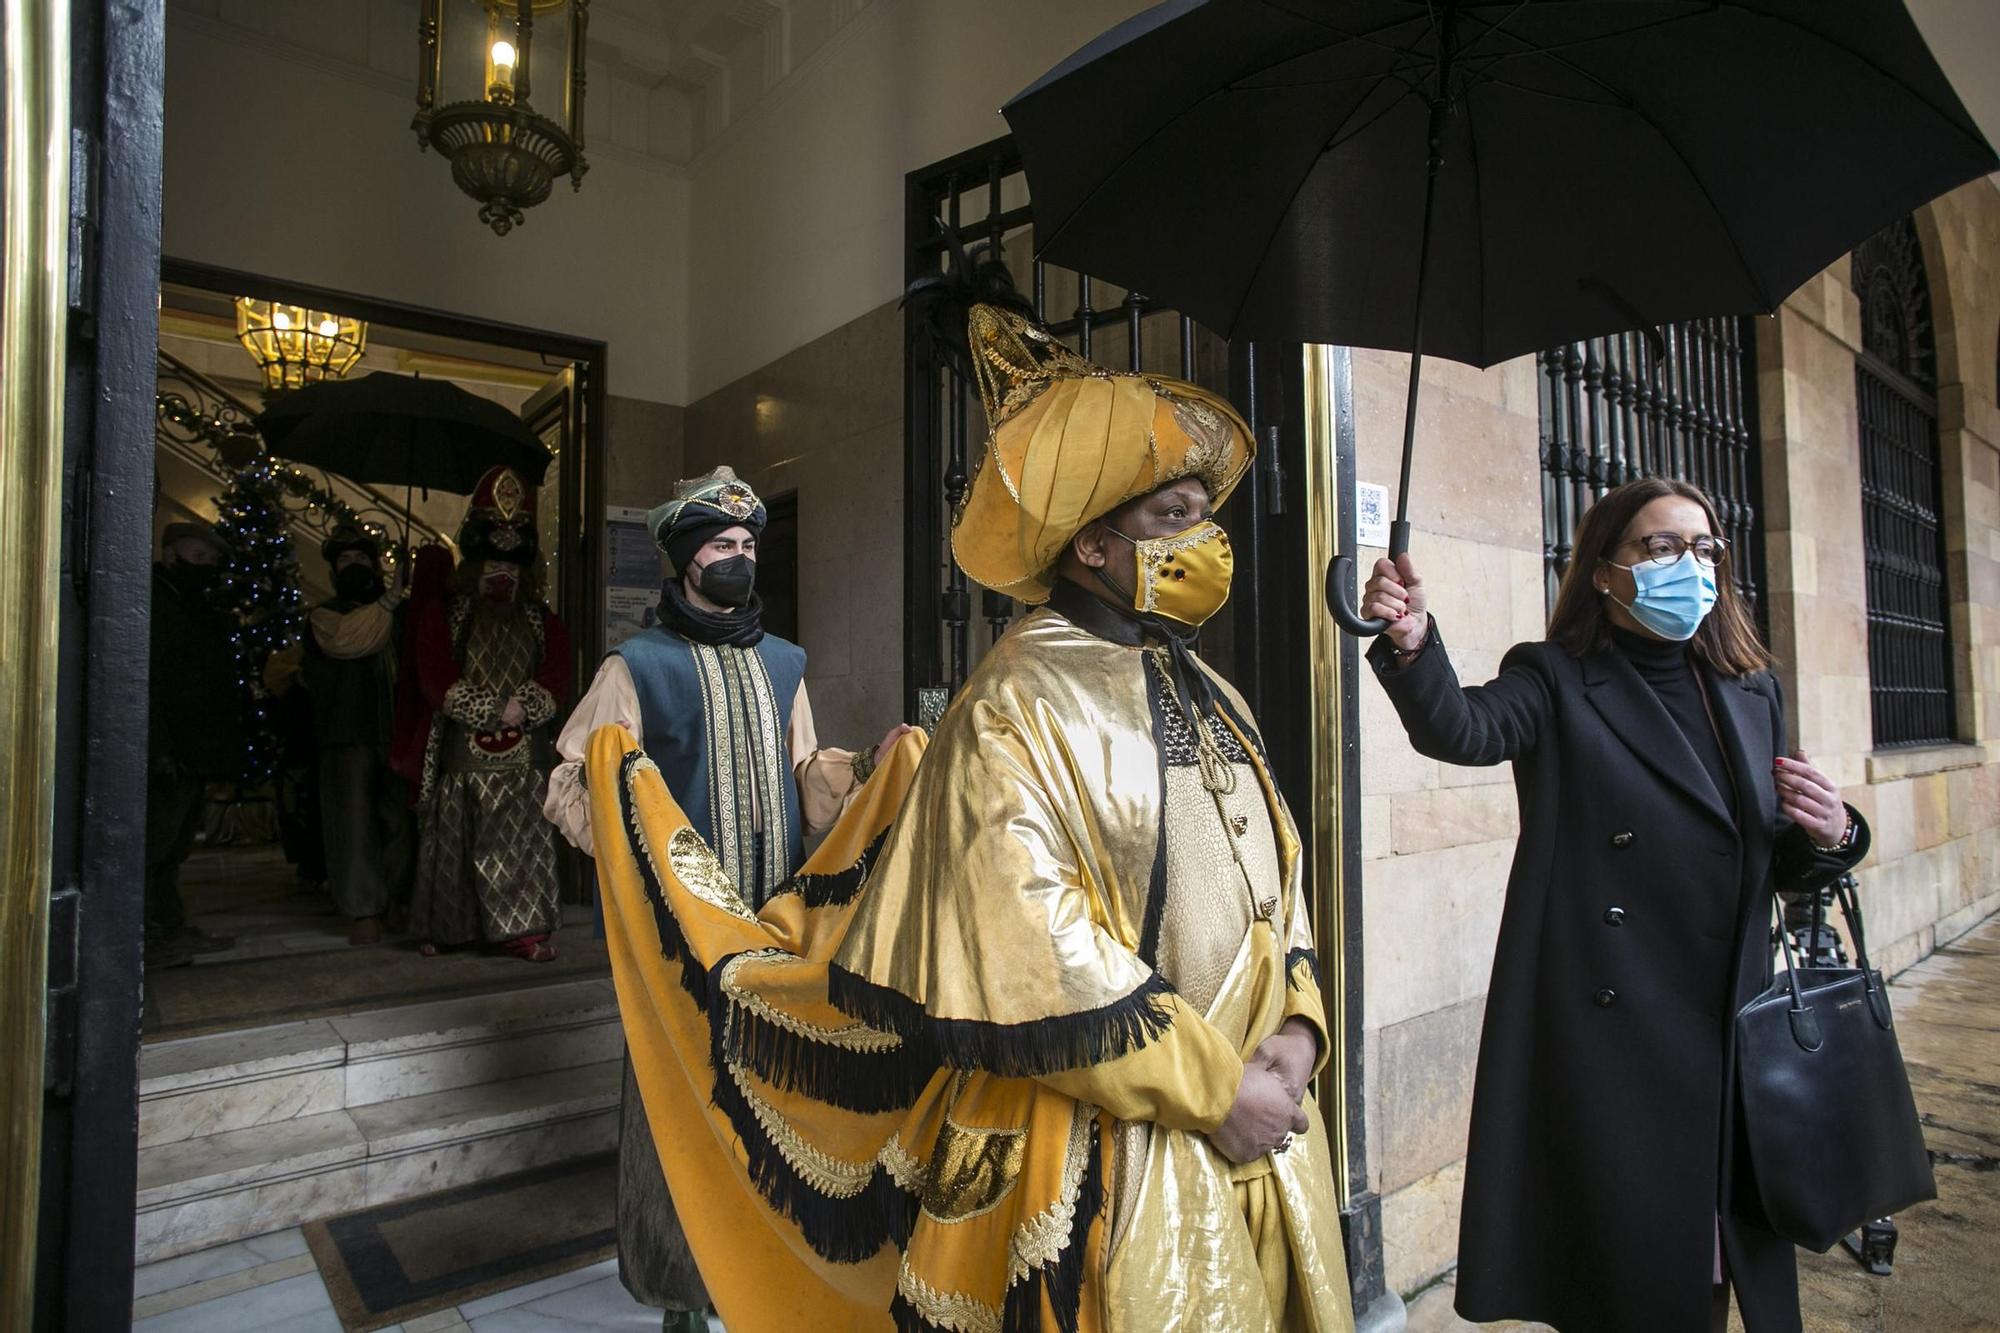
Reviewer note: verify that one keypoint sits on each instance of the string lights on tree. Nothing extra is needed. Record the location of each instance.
(260, 589)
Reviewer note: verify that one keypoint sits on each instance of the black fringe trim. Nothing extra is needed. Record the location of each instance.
(840, 1231)
(1012, 1050)
(1060, 1283)
(1311, 960)
(861, 1081)
(673, 944)
(837, 888)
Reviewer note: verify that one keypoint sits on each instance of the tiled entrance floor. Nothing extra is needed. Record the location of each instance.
(270, 1282)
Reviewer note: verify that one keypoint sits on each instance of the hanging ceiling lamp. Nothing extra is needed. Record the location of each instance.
(296, 346)
(475, 59)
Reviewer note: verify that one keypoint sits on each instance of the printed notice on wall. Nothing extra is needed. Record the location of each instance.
(1371, 514)
(632, 583)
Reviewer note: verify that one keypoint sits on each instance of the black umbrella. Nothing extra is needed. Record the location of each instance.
(1272, 167)
(401, 429)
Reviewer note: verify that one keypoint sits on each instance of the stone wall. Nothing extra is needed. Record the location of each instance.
(1437, 840)
(826, 421)
(1935, 868)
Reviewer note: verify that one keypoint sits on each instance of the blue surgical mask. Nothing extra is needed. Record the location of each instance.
(1672, 600)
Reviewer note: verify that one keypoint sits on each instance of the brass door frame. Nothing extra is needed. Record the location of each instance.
(33, 357)
(1326, 821)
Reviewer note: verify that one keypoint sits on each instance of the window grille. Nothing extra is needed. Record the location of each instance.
(1677, 402)
(1902, 495)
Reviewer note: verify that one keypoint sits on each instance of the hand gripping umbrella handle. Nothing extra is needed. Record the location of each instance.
(1340, 584)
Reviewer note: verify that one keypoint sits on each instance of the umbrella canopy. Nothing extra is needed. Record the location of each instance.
(1481, 179)
(1606, 163)
(393, 429)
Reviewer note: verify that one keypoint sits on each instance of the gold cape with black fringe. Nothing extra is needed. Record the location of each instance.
(902, 1094)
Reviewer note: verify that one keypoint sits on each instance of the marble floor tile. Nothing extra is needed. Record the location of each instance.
(603, 1304)
(215, 1288)
(237, 1256)
(534, 1291)
(296, 1305)
(441, 1321)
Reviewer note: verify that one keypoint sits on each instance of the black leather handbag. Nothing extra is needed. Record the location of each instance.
(1832, 1129)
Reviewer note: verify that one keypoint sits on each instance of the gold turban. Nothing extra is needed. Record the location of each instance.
(1069, 442)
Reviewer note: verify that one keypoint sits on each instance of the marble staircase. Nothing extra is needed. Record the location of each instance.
(245, 1132)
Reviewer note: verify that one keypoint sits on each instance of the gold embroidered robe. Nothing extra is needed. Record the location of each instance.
(938, 1074)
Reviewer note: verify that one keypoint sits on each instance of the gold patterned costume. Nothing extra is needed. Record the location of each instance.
(959, 1074)
(1051, 1164)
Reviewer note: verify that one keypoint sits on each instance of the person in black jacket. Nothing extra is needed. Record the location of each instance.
(350, 672)
(195, 731)
(1607, 1189)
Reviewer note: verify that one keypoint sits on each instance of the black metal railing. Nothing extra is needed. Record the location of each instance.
(1674, 402)
(1902, 495)
(215, 432)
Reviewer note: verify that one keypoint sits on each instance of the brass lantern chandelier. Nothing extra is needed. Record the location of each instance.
(295, 346)
(479, 63)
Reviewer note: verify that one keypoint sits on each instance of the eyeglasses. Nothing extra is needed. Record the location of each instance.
(1663, 548)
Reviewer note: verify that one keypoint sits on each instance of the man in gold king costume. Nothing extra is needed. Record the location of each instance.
(1025, 1044)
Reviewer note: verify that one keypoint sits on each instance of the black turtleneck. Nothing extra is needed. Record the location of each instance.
(1669, 669)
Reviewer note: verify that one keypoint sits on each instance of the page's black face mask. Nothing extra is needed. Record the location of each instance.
(727, 582)
(357, 583)
(192, 578)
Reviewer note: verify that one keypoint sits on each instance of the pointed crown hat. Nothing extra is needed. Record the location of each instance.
(500, 520)
(1068, 440)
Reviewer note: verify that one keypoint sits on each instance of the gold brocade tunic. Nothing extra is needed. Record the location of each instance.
(959, 1073)
(1059, 855)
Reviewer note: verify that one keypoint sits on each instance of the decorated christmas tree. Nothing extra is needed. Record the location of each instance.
(260, 590)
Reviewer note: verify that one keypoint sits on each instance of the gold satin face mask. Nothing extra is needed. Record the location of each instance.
(1184, 577)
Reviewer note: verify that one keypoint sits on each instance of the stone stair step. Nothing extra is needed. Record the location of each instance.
(229, 1081)
(247, 1181)
(424, 1048)
(207, 1085)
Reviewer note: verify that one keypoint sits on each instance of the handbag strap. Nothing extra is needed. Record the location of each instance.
(1844, 891)
(1791, 959)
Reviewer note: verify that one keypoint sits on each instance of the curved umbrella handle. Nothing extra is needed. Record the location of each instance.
(1340, 578)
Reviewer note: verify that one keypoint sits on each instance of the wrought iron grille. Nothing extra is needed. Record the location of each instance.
(980, 197)
(1902, 495)
(1674, 402)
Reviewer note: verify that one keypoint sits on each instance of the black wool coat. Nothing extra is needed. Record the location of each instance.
(1604, 1141)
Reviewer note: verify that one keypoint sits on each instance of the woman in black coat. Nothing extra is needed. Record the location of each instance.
(1607, 1189)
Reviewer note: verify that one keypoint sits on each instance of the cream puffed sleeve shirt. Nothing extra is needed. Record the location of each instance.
(825, 774)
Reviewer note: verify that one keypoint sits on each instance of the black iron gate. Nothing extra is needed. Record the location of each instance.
(1902, 495)
(1678, 401)
(980, 197)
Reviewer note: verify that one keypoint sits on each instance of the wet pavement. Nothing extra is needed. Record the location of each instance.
(1946, 1277)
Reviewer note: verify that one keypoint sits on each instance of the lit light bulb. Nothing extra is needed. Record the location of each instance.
(281, 319)
(328, 327)
(503, 57)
